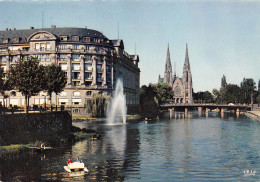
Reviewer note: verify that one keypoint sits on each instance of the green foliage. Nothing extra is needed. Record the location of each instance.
(55, 79)
(27, 77)
(231, 93)
(223, 81)
(164, 93)
(1, 79)
(149, 102)
(203, 97)
(97, 105)
(248, 89)
(258, 99)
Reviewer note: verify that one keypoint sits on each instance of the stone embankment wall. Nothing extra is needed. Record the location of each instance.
(24, 128)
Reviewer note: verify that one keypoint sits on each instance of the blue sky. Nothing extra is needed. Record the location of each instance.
(223, 37)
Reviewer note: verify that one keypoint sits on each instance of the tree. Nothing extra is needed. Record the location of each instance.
(164, 92)
(223, 81)
(28, 78)
(216, 95)
(259, 87)
(55, 80)
(258, 99)
(232, 94)
(148, 102)
(248, 88)
(97, 105)
(204, 97)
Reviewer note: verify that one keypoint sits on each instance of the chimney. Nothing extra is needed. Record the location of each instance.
(31, 28)
(6, 29)
(53, 26)
(14, 28)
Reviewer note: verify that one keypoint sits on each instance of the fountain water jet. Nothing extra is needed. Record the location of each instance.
(116, 113)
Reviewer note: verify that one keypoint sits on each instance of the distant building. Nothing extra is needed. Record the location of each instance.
(182, 86)
(91, 61)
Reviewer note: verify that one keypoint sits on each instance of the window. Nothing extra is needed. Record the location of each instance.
(44, 57)
(99, 60)
(63, 57)
(74, 83)
(88, 67)
(3, 58)
(5, 40)
(64, 38)
(42, 48)
(86, 39)
(99, 68)
(87, 57)
(48, 46)
(88, 75)
(88, 93)
(75, 67)
(76, 93)
(75, 47)
(25, 57)
(88, 83)
(64, 66)
(37, 46)
(76, 75)
(14, 59)
(99, 76)
(177, 91)
(75, 57)
(63, 94)
(13, 93)
(75, 38)
(16, 40)
(63, 47)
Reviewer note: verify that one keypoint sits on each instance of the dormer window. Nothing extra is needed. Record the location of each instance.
(5, 40)
(86, 39)
(16, 40)
(64, 38)
(75, 38)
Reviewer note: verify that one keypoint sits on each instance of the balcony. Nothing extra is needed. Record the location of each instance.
(75, 77)
(89, 78)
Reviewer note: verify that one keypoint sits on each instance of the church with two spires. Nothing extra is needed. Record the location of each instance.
(181, 86)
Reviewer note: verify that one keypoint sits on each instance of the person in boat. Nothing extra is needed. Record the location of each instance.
(69, 161)
(77, 160)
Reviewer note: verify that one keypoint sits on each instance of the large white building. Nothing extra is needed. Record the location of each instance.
(91, 61)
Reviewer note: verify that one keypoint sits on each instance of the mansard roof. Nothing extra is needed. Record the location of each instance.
(24, 34)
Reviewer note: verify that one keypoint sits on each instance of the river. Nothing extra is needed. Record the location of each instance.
(188, 147)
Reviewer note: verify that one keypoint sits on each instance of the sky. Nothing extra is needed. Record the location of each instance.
(223, 37)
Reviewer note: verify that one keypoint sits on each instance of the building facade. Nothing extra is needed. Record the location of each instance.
(92, 63)
(181, 86)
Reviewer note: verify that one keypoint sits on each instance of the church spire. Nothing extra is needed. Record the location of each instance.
(168, 59)
(168, 68)
(187, 62)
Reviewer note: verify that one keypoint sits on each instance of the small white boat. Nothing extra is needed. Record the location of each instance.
(75, 166)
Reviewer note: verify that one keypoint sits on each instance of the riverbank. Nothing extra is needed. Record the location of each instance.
(75, 134)
(253, 114)
(78, 118)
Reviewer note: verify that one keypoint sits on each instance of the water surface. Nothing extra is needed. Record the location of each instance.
(185, 148)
